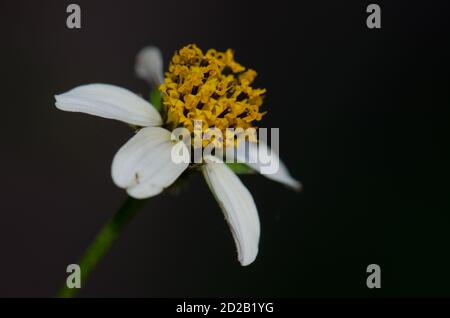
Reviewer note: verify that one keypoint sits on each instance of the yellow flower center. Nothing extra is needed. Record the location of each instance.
(210, 87)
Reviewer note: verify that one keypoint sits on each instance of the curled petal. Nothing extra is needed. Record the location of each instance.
(144, 165)
(109, 101)
(267, 162)
(238, 207)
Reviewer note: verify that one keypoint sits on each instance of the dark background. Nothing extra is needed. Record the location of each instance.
(363, 121)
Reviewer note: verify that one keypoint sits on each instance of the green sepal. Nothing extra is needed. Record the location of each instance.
(155, 99)
(240, 168)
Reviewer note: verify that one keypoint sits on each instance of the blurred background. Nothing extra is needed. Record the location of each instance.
(363, 118)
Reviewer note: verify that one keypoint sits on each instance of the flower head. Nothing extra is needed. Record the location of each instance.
(211, 87)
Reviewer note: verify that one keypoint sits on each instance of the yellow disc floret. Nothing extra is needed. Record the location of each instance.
(210, 87)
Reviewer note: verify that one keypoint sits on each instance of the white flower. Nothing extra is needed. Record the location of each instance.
(143, 166)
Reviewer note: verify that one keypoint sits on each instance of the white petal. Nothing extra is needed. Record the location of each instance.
(144, 165)
(267, 162)
(109, 101)
(238, 207)
(149, 65)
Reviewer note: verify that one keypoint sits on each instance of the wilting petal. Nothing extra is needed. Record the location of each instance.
(238, 207)
(267, 162)
(144, 165)
(149, 65)
(109, 101)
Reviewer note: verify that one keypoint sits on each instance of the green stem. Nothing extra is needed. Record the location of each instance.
(103, 242)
